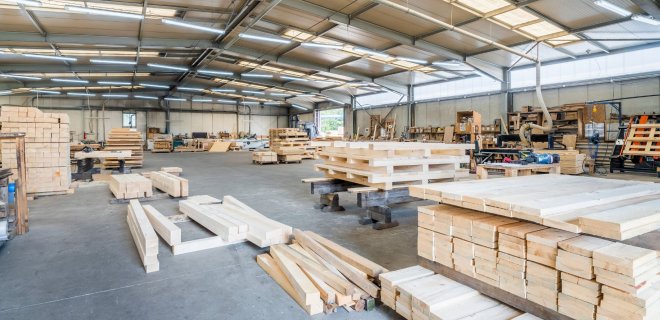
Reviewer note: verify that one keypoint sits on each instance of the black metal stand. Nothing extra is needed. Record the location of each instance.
(85, 170)
(375, 202)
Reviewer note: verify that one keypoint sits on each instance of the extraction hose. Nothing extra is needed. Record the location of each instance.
(526, 128)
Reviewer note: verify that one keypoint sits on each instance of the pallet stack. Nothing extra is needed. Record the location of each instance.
(264, 157)
(579, 276)
(47, 147)
(386, 165)
(290, 144)
(162, 143)
(321, 275)
(418, 293)
(124, 139)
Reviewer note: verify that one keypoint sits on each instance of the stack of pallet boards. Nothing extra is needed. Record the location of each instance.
(264, 157)
(47, 150)
(570, 161)
(386, 165)
(124, 139)
(162, 143)
(418, 293)
(130, 186)
(290, 144)
(173, 185)
(230, 220)
(321, 275)
(580, 276)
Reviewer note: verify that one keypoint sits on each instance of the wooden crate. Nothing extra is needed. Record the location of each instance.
(263, 157)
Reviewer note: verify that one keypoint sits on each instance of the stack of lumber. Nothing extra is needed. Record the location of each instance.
(613, 209)
(420, 294)
(79, 147)
(570, 161)
(124, 139)
(47, 151)
(234, 221)
(386, 165)
(263, 157)
(162, 143)
(563, 271)
(130, 186)
(173, 185)
(290, 144)
(144, 236)
(321, 275)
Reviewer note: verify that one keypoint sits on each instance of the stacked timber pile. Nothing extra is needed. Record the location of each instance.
(418, 293)
(480, 231)
(264, 157)
(130, 186)
(230, 220)
(173, 185)
(124, 139)
(321, 275)
(386, 165)
(162, 143)
(570, 161)
(47, 150)
(290, 144)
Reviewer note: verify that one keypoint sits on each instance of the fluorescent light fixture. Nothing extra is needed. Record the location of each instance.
(105, 61)
(225, 101)
(223, 90)
(371, 52)
(45, 91)
(306, 95)
(645, 19)
(297, 106)
(39, 56)
(614, 8)
(293, 78)
(157, 86)
(334, 100)
(162, 66)
(256, 75)
(267, 39)
(15, 76)
(202, 100)
(192, 26)
(113, 95)
(321, 45)
(277, 94)
(190, 89)
(69, 80)
(115, 83)
(250, 102)
(454, 63)
(175, 99)
(219, 73)
(29, 3)
(253, 92)
(104, 12)
(5, 92)
(418, 61)
(81, 94)
(273, 103)
(145, 97)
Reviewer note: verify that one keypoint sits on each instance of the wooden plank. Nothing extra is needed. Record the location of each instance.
(163, 226)
(202, 244)
(300, 282)
(144, 235)
(220, 226)
(363, 264)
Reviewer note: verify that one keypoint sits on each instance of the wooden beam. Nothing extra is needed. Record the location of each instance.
(363, 264)
(163, 226)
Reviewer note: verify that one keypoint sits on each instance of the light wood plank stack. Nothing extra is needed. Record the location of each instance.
(47, 147)
(386, 165)
(173, 185)
(124, 139)
(320, 275)
(130, 186)
(419, 294)
(290, 144)
(570, 161)
(144, 236)
(263, 157)
(559, 270)
(614, 209)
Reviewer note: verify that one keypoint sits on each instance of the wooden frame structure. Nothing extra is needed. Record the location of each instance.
(22, 212)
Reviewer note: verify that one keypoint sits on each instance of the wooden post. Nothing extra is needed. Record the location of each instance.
(21, 188)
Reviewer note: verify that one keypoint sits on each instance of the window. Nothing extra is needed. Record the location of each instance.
(331, 122)
(612, 65)
(457, 88)
(129, 120)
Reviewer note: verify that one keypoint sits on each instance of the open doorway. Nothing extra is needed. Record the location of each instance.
(331, 123)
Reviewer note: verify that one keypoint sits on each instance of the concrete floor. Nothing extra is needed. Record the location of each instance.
(79, 261)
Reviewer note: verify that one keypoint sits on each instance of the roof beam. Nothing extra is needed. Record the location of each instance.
(651, 7)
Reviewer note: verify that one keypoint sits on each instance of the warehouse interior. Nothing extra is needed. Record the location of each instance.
(347, 159)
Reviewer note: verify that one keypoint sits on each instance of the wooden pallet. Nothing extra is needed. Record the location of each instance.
(614, 209)
(643, 140)
(515, 170)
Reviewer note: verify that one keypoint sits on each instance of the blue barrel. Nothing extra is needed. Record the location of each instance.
(12, 189)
